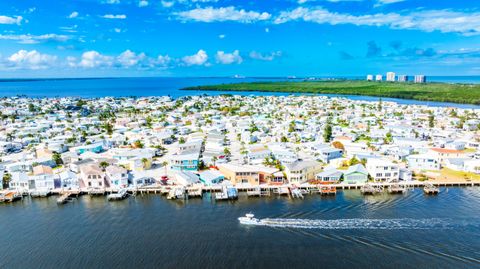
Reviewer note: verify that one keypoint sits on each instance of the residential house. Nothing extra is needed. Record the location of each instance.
(302, 171)
(423, 162)
(329, 176)
(92, 176)
(239, 174)
(383, 170)
(116, 176)
(356, 174)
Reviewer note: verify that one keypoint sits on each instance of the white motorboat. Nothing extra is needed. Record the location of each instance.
(249, 219)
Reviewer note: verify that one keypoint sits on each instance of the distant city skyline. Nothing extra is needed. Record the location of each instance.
(109, 38)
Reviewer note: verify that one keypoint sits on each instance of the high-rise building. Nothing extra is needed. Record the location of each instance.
(378, 77)
(369, 77)
(402, 78)
(420, 79)
(390, 76)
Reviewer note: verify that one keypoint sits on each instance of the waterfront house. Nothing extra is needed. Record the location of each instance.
(92, 176)
(472, 166)
(302, 171)
(329, 176)
(186, 178)
(356, 174)
(68, 179)
(185, 161)
(239, 174)
(423, 162)
(210, 177)
(116, 176)
(383, 170)
(19, 181)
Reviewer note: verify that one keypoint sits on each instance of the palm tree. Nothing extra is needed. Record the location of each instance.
(214, 159)
(165, 163)
(144, 162)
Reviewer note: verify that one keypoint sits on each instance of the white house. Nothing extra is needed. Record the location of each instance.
(383, 170)
(423, 162)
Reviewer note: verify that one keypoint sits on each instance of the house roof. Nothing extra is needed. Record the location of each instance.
(357, 168)
(330, 173)
(446, 151)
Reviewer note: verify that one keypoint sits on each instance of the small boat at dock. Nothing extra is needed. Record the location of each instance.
(120, 195)
(430, 189)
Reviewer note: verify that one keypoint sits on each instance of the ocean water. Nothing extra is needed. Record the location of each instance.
(347, 231)
(118, 87)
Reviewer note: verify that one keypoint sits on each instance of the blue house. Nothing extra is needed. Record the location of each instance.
(211, 177)
(327, 154)
(185, 161)
(95, 148)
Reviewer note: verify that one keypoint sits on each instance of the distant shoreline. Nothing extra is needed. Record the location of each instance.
(460, 93)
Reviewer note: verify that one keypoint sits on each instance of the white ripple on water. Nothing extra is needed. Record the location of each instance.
(386, 224)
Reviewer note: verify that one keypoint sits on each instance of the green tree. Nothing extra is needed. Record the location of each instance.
(57, 158)
(7, 177)
(431, 121)
(103, 164)
(327, 133)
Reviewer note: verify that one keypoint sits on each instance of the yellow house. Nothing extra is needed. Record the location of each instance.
(239, 174)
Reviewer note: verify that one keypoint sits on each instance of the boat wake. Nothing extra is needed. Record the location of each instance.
(386, 224)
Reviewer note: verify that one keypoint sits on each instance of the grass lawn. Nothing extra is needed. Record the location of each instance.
(439, 92)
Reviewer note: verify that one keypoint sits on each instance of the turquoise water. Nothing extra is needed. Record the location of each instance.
(92, 88)
(350, 231)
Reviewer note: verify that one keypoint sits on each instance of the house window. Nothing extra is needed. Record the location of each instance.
(89, 183)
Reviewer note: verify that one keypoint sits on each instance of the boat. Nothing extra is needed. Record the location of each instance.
(249, 219)
(12, 197)
(430, 189)
(232, 193)
(122, 194)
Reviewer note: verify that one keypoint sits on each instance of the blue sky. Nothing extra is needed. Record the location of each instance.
(83, 38)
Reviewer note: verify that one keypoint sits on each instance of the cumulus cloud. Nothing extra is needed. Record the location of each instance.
(112, 2)
(92, 59)
(32, 60)
(199, 58)
(115, 17)
(167, 4)
(143, 3)
(265, 57)
(129, 58)
(73, 15)
(211, 14)
(11, 20)
(228, 58)
(34, 39)
(445, 21)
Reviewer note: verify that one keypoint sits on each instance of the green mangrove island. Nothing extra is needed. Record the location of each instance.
(438, 92)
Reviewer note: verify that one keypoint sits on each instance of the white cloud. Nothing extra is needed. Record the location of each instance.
(111, 16)
(11, 20)
(445, 21)
(229, 58)
(222, 36)
(117, 30)
(112, 2)
(265, 57)
(33, 60)
(130, 59)
(200, 58)
(167, 4)
(143, 3)
(163, 61)
(34, 39)
(73, 15)
(92, 59)
(211, 14)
